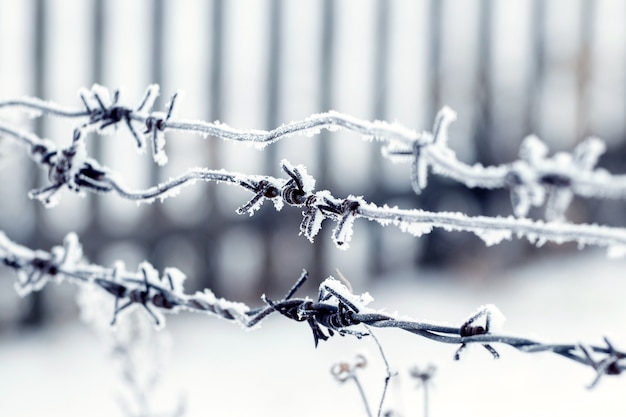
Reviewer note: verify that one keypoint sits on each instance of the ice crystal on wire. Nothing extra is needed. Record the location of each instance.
(494, 236)
(342, 234)
(176, 279)
(616, 251)
(359, 301)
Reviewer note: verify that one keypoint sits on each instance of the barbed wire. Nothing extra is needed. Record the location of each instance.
(533, 180)
(336, 310)
(72, 168)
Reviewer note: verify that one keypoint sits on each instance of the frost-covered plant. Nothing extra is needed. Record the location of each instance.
(534, 180)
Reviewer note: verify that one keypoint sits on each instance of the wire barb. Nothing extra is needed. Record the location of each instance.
(533, 180)
(73, 168)
(336, 309)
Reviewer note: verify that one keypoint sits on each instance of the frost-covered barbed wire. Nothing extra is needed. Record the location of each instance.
(72, 168)
(533, 180)
(336, 310)
(144, 287)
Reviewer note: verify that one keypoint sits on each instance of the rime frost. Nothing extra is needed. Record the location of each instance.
(220, 305)
(616, 251)
(359, 301)
(176, 278)
(493, 237)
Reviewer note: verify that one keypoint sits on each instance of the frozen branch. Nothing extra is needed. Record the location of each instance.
(335, 310)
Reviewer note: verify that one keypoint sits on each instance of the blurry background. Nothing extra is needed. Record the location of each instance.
(509, 68)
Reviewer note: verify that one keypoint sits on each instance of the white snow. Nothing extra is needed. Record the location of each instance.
(342, 234)
(360, 301)
(177, 278)
(493, 237)
(444, 118)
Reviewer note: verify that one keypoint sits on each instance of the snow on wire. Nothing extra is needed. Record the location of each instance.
(531, 179)
(336, 310)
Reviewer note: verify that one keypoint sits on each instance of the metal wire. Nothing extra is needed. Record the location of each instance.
(335, 310)
(531, 179)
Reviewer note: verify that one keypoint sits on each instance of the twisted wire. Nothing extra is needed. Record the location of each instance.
(533, 180)
(72, 168)
(336, 309)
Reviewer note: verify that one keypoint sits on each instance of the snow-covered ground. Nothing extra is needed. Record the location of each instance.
(217, 368)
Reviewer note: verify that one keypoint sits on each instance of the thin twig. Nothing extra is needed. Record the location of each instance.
(388, 375)
(344, 371)
(424, 378)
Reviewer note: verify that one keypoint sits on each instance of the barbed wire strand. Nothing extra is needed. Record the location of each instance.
(336, 309)
(530, 179)
(72, 168)
(533, 180)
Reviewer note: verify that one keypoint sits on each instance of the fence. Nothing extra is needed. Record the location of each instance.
(508, 67)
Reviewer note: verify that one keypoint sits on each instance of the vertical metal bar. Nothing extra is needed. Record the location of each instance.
(40, 58)
(583, 70)
(381, 60)
(484, 93)
(35, 313)
(157, 39)
(216, 70)
(272, 108)
(215, 97)
(273, 79)
(379, 111)
(154, 216)
(429, 253)
(327, 87)
(434, 57)
(537, 73)
(327, 83)
(97, 36)
(156, 68)
(97, 76)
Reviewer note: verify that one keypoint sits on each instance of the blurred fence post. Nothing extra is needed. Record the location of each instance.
(380, 97)
(35, 314)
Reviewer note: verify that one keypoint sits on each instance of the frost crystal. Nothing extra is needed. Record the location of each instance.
(220, 307)
(493, 237)
(343, 232)
(496, 318)
(444, 118)
(158, 150)
(414, 228)
(176, 278)
(489, 313)
(587, 154)
(616, 251)
(359, 301)
(532, 150)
